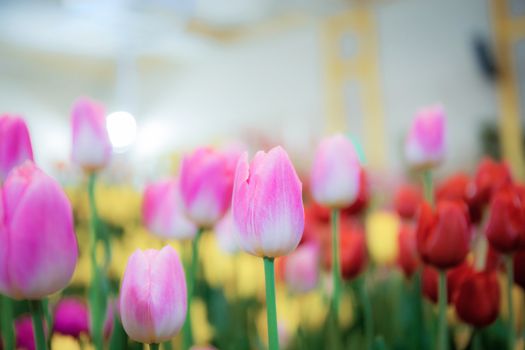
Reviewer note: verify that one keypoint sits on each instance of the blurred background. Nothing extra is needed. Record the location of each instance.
(193, 72)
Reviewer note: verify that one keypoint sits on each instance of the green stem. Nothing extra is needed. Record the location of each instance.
(8, 332)
(96, 294)
(336, 262)
(154, 346)
(428, 186)
(271, 309)
(37, 315)
(420, 317)
(476, 339)
(510, 282)
(442, 325)
(191, 272)
(167, 345)
(367, 310)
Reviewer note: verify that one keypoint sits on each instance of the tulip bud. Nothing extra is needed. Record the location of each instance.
(206, 180)
(162, 211)
(301, 268)
(38, 246)
(407, 201)
(267, 204)
(425, 144)
(335, 176)
(91, 146)
(506, 224)
(226, 233)
(477, 298)
(443, 236)
(153, 296)
(490, 177)
(15, 144)
(459, 187)
(408, 258)
(71, 318)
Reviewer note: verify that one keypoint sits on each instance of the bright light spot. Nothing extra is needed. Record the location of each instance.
(122, 130)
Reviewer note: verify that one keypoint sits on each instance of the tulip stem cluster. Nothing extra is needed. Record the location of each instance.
(154, 346)
(97, 296)
(37, 314)
(271, 308)
(367, 308)
(510, 282)
(6, 312)
(336, 262)
(442, 322)
(191, 272)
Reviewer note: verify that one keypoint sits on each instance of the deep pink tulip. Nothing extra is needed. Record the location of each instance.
(206, 181)
(91, 146)
(335, 177)
(226, 233)
(267, 204)
(162, 211)
(301, 268)
(153, 296)
(38, 246)
(25, 338)
(71, 317)
(425, 144)
(15, 144)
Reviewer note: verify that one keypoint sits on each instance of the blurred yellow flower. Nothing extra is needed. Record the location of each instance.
(202, 331)
(382, 229)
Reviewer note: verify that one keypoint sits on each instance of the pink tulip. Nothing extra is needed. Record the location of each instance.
(162, 211)
(335, 173)
(71, 318)
(206, 181)
(267, 204)
(425, 144)
(38, 246)
(91, 145)
(301, 269)
(15, 144)
(226, 233)
(153, 295)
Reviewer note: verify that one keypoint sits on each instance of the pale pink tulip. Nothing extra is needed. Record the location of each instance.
(153, 296)
(425, 144)
(15, 144)
(38, 246)
(335, 173)
(301, 270)
(206, 181)
(226, 233)
(91, 146)
(267, 204)
(162, 211)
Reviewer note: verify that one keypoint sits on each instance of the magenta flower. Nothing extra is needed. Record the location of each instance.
(71, 318)
(153, 296)
(267, 204)
(91, 146)
(25, 338)
(15, 144)
(206, 181)
(301, 268)
(162, 211)
(335, 173)
(425, 144)
(38, 246)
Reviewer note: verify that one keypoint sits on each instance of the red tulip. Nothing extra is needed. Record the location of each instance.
(352, 250)
(460, 187)
(408, 258)
(455, 277)
(490, 177)
(519, 268)
(443, 235)
(407, 201)
(477, 298)
(506, 225)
